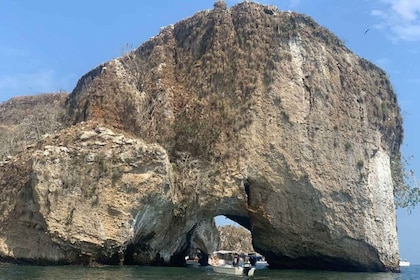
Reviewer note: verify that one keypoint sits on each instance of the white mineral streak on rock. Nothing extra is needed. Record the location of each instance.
(381, 226)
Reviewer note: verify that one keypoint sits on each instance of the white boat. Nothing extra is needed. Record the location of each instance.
(404, 262)
(234, 270)
(261, 264)
(257, 260)
(230, 262)
(192, 262)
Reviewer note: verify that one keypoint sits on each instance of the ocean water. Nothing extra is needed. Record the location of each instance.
(14, 272)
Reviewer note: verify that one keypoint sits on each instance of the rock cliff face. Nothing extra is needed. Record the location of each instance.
(26, 118)
(249, 112)
(87, 194)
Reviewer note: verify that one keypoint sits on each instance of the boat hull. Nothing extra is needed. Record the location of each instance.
(404, 263)
(261, 265)
(233, 270)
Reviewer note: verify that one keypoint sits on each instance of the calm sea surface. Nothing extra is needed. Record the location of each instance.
(13, 272)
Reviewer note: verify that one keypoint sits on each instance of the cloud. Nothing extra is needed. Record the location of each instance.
(414, 81)
(407, 9)
(294, 3)
(23, 73)
(8, 51)
(401, 18)
(383, 62)
(42, 81)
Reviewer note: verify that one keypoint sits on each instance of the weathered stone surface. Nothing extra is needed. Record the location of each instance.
(78, 201)
(249, 112)
(24, 119)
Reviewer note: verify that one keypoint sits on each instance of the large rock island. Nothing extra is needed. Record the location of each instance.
(250, 112)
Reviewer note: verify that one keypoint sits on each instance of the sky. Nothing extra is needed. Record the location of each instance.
(47, 45)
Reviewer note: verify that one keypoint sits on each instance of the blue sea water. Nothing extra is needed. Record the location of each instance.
(14, 272)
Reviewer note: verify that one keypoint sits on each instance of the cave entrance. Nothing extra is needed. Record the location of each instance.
(222, 220)
(230, 219)
(234, 234)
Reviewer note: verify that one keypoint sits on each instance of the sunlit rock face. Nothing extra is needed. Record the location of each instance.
(90, 195)
(249, 112)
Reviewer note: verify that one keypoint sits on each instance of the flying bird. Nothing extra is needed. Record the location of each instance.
(367, 30)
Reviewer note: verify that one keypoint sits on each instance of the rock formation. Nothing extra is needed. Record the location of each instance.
(249, 112)
(235, 238)
(25, 119)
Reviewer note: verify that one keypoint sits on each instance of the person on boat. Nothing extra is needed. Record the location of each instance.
(253, 260)
(236, 260)
(214, 260)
